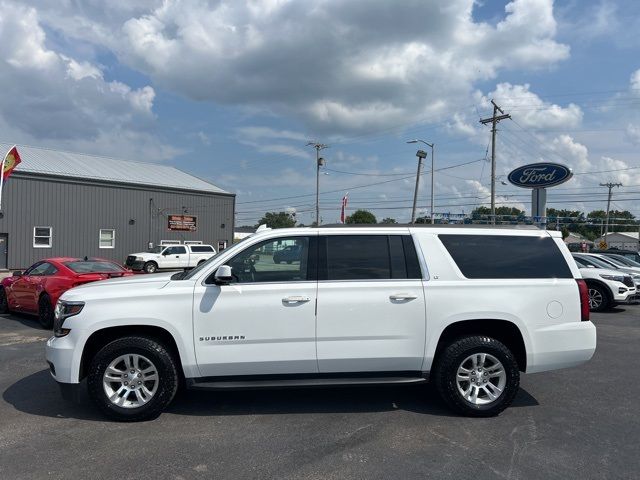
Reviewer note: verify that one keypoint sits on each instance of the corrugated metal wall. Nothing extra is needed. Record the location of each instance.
(77, 211)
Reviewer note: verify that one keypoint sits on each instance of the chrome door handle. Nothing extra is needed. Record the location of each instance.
(296, 299)
(402, 296)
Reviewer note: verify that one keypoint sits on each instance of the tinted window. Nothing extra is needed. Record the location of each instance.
(90, 267)
(44, 269)
(262, 262)
(201, 249)
(175, 251)
(504, 256)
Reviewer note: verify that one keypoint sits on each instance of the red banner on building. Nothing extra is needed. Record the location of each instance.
(182, 223)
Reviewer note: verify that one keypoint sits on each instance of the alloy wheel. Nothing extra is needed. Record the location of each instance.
(481, 378)
(595, 299)
(130, 381)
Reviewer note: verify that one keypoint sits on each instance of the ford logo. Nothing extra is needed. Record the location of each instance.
(540, 175)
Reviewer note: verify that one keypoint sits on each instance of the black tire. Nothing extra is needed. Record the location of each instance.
(4, 303)
(598, 298)
(45, 311)
(453, 356)
(156, 352)
(150, 267)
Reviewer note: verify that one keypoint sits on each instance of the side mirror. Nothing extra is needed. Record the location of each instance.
(165, 252)
(223, 275)
(17, 273)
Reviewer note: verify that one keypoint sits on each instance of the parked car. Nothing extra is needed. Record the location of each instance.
(613, 261)
(632, 254)
(604, 261)
(36, 290)
(170, 257)
(361, 305)
(607, 288)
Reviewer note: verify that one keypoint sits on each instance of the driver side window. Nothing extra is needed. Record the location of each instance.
(283, 259)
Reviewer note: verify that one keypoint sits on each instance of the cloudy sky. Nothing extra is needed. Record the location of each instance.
(232, 91)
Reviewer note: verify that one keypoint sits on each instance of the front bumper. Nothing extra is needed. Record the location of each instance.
(561, 346)
(138, 265)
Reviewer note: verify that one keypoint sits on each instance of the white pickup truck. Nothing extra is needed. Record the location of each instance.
(170, 257)
(466, 308)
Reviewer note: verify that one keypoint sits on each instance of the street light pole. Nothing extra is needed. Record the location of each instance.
(421, 154)
(319, 162)
(432, 180)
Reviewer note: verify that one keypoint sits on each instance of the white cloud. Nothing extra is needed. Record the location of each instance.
(633, 133)
(529, 110)
(52, 99)
(634, 82)
(338, 66)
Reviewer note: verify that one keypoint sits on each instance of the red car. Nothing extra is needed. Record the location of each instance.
(37, 289)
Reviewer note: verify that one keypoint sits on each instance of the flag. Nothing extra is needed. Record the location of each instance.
(344, 207)
(10, 162)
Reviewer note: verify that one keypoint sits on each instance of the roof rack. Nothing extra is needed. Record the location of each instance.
(428, 225)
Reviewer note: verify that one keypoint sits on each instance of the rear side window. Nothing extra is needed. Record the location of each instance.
(504, 256)
(201, 249)
(367, 257)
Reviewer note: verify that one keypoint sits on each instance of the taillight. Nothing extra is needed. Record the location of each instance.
(584, 300)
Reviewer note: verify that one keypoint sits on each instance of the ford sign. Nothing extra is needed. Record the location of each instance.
(540, 175)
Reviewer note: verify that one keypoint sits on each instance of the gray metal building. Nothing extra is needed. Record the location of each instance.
(68, 204)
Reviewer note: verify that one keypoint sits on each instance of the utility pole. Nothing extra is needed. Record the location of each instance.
(432, 181)
(421, 154)
(610, 187)
(494, 122)
(319, 162)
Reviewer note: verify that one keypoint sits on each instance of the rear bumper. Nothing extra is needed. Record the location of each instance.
(561, 346)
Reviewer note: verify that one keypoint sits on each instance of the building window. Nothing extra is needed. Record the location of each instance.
(107, 238)
(42, 237)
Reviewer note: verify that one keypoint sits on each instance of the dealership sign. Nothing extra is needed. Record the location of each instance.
(182, 223)
(540, 175)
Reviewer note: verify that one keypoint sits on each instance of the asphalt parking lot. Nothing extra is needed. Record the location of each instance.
(575, 423)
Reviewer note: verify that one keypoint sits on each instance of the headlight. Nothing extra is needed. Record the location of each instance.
(139, 259)
(63, 311)
(615, 278)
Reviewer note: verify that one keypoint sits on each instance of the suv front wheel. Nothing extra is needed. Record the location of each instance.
(477, 376)
(133, 379)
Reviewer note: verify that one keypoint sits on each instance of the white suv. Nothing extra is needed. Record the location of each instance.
(607, 288)
(467, 308)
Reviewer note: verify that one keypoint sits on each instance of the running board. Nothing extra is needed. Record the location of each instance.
(222, 384)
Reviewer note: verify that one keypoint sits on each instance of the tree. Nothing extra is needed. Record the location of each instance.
(277, 220)
(360, 217)
(388, 220)
(423, 220)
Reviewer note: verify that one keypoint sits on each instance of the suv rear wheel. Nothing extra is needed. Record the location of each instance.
(133, 379)
(477, 376)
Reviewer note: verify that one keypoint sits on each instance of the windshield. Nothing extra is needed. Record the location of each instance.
(196, 271)
(624, 260)
(80, 266)
(612, 261)
(596, 262)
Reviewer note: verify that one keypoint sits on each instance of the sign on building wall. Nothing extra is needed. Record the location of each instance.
(182, 223)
